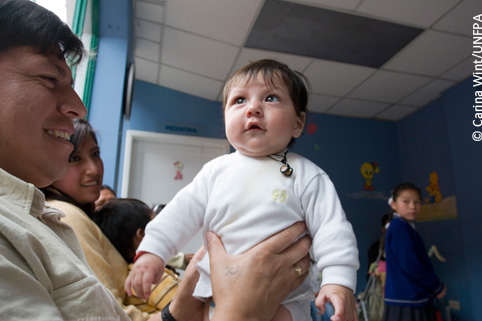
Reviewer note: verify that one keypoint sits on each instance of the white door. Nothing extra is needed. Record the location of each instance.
(157, 166)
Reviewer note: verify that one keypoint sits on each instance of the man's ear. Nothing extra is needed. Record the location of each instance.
(299, 125)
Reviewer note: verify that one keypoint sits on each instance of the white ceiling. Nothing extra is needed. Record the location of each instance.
(192, 46)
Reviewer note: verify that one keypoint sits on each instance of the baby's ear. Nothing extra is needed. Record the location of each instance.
(299, 125)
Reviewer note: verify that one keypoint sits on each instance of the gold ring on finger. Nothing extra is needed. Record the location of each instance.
(298, 270)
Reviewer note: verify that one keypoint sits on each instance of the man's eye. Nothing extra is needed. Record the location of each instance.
(74, 159)
(272, 99)
(49, 78)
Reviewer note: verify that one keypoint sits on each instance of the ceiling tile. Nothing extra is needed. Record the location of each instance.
(427, 93)
(197, 54)
(146, 49)
(327, 34)
(459, 19)
(340, 4)
(149, 11)
(189, 83)
(387, 86)
(460, 71)
(357, 108)
(146, 70)
(395, 112)
(413, 12)
(321, 103)
(335, 78)
(431, 54)
(147, 30)
(227, 20)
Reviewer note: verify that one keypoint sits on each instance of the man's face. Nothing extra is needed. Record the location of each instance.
(37, 106)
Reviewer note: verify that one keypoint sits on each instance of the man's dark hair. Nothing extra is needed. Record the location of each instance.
(25, 23)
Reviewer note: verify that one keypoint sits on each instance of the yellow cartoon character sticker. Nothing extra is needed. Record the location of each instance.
(368, 170)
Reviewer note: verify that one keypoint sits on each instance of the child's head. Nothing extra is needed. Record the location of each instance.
(407, 201)
(265, 105)
(123, 221)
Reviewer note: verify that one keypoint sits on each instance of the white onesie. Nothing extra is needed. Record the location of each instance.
(245, 200)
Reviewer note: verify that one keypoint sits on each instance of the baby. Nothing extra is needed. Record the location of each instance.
(260, 189)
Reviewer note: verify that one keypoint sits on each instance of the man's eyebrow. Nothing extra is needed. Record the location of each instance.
(55, 63)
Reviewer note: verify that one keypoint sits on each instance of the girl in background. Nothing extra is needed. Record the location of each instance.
(411, 284)
(123, 221)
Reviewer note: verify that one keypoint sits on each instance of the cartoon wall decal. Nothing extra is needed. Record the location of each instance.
(311, 128)
(434, 194)
(368, 170)
(178, 166)
(437, 208)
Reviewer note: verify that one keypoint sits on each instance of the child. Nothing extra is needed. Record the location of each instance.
(260, 189)
(123, 220)
(411, 283)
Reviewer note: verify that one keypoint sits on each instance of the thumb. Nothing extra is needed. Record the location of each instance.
(215, 246)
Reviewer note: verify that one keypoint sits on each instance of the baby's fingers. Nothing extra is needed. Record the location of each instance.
(320, 303)
(344, 311)
(128, 285)
(339, 309)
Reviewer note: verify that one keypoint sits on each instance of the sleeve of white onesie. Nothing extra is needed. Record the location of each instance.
(334, 244)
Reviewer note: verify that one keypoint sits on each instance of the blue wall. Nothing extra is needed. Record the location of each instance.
(438, 137)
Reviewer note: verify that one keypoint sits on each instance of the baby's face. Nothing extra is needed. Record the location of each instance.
(261, 120)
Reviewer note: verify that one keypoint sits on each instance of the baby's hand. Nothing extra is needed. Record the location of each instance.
(147, 270)
(342, 299)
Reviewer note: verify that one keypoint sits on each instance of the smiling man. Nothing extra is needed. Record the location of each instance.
(43, 270)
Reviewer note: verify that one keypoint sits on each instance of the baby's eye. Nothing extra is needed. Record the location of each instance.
(272, 99)
(239, 100)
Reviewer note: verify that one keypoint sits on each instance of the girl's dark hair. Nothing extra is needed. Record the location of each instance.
(82, 131)
(25, 23)
(119, 219)
(404, 187)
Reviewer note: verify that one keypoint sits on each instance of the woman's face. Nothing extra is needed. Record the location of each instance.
(86, 170)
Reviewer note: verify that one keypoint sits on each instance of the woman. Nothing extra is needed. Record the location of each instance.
(75, 195)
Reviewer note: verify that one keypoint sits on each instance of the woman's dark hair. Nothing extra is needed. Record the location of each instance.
(25, 23)
(119, 219)
(405, 187)
(82, 130)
